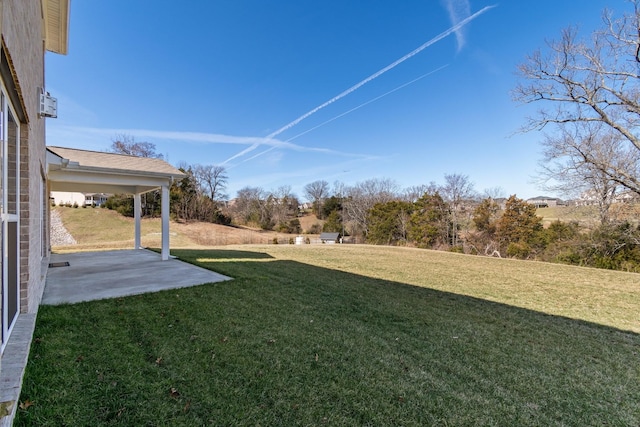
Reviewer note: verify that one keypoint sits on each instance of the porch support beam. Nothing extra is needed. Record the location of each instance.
(165, 222)
(137, 208)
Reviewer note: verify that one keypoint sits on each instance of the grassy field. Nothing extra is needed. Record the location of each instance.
(588, 215)
(347, 335)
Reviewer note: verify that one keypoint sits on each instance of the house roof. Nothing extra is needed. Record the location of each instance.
(329, 236)
(56, 25)
(71, 169)
(542, 198)
(115, 161)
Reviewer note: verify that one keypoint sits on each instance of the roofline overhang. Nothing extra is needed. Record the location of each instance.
(57, 162)
(72, 167)
(65, 175)
(55, 15)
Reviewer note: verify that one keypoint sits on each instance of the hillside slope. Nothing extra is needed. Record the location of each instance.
(94, 228)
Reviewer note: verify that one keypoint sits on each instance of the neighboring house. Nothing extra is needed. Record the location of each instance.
(28, 28)
(330, 238)
(95, 199)
(591, 197)
(627, 196)
(545, 202)
(88, 199)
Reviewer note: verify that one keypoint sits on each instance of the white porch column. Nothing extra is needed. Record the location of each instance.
(136, 215)
(165, 222)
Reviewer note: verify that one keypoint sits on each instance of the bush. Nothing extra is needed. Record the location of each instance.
(291, 227)
(519, 250)
(294, 226)
(266, 224)
(121, 203)
(220, 218)
(75, 204)
(609, 246)
(316, 228)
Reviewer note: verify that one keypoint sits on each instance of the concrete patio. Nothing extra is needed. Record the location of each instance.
(112, 274)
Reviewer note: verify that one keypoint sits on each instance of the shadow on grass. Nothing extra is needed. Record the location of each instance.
(287, 343)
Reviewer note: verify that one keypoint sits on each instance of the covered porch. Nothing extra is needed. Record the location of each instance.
(74, 170)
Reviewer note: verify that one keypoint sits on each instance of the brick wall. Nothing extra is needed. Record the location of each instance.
(22, 34)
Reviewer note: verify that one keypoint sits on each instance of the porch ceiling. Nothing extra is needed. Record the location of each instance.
(70, 169)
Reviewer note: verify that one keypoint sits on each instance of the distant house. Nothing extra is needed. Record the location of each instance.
(330, 238)
(80, 199)
(626, 197)
(591, 197)
(545, 202)
(95, 199)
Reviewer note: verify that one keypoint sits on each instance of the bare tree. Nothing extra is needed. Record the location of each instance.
(457, 190)
(317, 191)
(285, 205)
(494, 193)
(592, 85)
(413, 193)
(339, 189)
(573, 165)
(126, 144)
(362, 197)
(249, 206)
(212, 179)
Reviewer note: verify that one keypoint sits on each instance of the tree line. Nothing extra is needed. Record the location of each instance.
(451, 216)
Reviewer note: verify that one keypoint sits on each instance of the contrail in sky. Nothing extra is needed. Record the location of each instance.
(368, 102)
(346, 112)
(375, 75)
(456, 9)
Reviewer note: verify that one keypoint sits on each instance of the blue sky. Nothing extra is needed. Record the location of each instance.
(227, 82)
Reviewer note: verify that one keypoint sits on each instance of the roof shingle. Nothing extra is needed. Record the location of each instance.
(123, 162)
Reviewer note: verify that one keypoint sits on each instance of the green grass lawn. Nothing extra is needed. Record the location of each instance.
(347, 335)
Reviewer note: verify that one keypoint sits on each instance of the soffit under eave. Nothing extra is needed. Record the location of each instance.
(75, 187)
(76, 176)
(56, 25)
